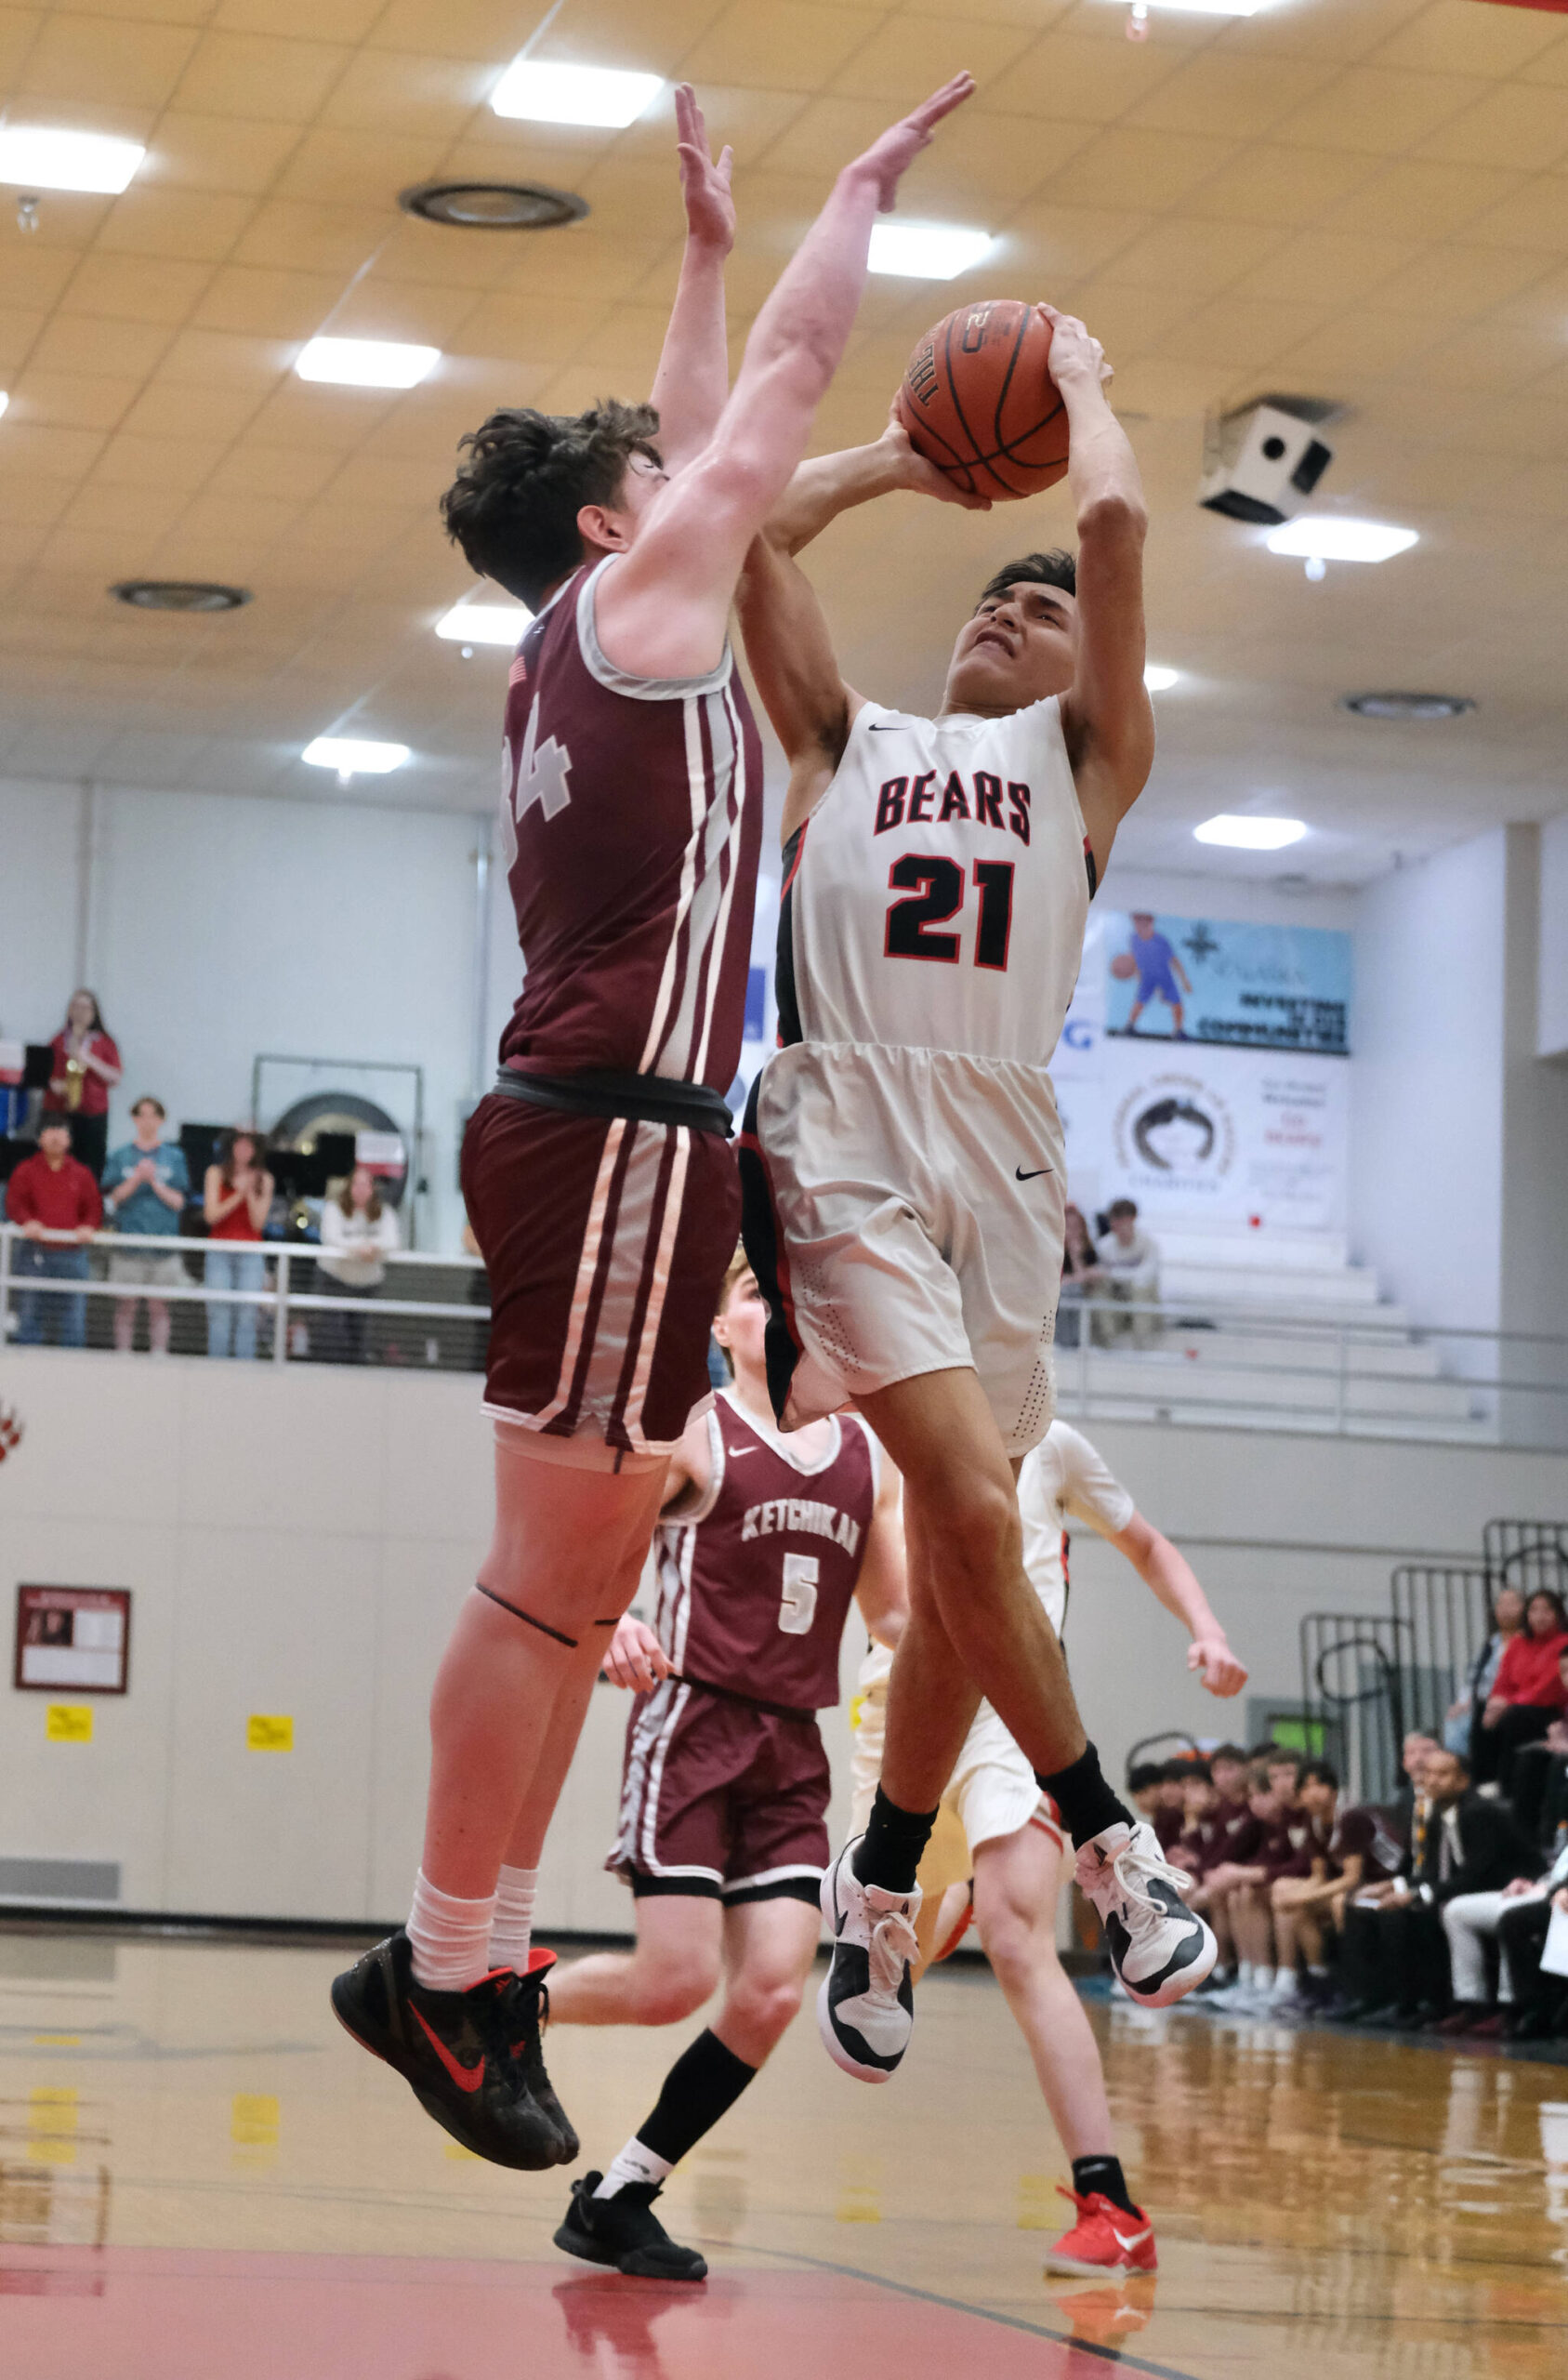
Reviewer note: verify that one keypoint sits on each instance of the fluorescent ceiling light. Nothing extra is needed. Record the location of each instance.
(5, 399)
(1325, 537)
(352, 759)
(1158, 680)
(366, 363)
(1207, 7)
(925, 251)
(32, 157)
(547, 92)
(483, 622)
(1250, 834)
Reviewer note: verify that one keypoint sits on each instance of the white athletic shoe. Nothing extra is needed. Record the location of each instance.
(1159, 1948)
(865, 2008)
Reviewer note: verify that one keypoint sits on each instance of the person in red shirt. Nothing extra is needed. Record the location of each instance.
(1528, 1693)
(53, 1201)
(86, 1066)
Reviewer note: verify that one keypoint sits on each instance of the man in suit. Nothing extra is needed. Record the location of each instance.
(1396, 1953)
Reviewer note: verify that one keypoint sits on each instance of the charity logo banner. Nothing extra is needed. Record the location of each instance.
(1223, 1136)
(1271, 987)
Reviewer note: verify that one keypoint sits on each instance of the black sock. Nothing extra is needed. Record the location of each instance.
(889, 1850)
(702, 2085)
(1086, 1802)
(1104, 2174)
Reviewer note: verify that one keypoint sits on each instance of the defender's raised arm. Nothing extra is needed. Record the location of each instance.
(692, 380)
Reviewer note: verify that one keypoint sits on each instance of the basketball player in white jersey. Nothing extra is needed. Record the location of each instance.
(903, 1164)
(997, 1828)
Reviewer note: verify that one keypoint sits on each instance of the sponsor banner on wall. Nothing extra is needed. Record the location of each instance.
(1230, 1137)
(1249, 987)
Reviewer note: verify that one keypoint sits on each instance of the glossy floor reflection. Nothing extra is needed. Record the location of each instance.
(200, 2179)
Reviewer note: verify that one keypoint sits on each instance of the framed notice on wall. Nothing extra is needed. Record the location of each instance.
(74, 1636)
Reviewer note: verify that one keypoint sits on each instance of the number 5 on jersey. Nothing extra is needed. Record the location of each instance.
(798, 1607)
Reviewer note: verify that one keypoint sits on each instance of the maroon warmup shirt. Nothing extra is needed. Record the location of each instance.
(754, 1589)
(631, 817)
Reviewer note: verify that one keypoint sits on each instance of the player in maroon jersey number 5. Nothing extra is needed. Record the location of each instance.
(596, 1175)
(725, 1788)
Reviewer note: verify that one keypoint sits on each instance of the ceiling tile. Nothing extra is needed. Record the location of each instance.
(217, 152)
(136, 289)
(224, 359)
(1220, 92)
(265, 302)
(1520, 126)
(1453, 37)
(1240, 333)
(1157, 168)
(1456, 281)
(246, 74)
(907, 57)
(193, 225)
(1379, 111)
(141, 511)
(1415, 199)
(1551, 66)
(1327, 269)
(346, 20)
(90, 57)
(303, 235)
(1189, 260)
(1075, 78)
(1530, 215)
(28, 449)
(130, 460)
(177, 408)
(20, 328)
(1064, 242)
(386, 90)
(31, 274)
(789, 45)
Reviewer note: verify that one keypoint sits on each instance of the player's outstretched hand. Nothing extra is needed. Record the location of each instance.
(705, 185)
(635, 1658)
(910, 469)
(889, 158)
(1217, 1665)
(1077, 356)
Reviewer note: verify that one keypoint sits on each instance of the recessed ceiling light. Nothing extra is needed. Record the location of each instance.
(925, 251)
(1159, 679)
(545, 91)
(1409, 705)
(493, 206)
(366, 363)
(179, 595)
(352, 759)
(483, 622)
(1324, 536)
(34, 157)
(1250, 834)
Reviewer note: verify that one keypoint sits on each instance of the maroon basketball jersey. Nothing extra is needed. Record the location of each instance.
(631, 817)
(755, 1587)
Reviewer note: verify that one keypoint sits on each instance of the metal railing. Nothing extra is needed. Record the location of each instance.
(1187, 1362)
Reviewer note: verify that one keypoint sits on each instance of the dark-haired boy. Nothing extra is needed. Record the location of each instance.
(902, 1163)
(596, 1175)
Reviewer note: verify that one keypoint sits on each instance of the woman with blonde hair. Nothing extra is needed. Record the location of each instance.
(358, 1234)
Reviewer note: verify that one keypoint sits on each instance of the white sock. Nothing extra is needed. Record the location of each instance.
(512, 1932)
(1318, 1973)
(1263, 1981)
(634, 2163)
(1284, 1983)
(451, 1938)
(1245, 1972)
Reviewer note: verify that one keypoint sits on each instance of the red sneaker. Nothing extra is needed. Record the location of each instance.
(1104, 2238)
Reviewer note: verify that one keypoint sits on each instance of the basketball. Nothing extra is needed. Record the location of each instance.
(1124, 966)
(979, 402)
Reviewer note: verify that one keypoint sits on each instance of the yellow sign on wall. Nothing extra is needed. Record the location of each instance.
(267, 1731)
(68, 1722)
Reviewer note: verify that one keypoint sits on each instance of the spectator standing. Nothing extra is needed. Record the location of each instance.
(1508, 1621)
(1528, 1693)
(237, 1197)
(86, 1066)
(145, 1187)
(1130, 1261)
(53, 1201)
(358, 1233)
(1082, 1277)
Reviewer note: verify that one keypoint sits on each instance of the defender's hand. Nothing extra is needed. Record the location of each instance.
(887, 159)
(1217, 1666)
(635, 1658)
(909, 469)
(1077, 359)
(710, 210)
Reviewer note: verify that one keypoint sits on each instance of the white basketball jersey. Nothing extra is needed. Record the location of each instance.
(937, 896)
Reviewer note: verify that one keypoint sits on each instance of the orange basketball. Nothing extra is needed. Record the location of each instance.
(979, 402)
(1124, 966)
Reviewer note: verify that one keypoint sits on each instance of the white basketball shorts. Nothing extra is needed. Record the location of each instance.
(903, 1213)
(992, 1793)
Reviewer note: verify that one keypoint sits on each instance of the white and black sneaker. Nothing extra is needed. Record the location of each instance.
(866, 2009)
(1160, 1949)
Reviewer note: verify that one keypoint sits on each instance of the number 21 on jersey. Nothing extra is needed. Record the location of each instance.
(934, 888)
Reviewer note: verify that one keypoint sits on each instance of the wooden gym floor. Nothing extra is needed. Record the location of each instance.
(201, 2179)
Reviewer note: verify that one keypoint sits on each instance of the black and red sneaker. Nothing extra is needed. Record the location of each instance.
(453, 2049)
(527, 2012)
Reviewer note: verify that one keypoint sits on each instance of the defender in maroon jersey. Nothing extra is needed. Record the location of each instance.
(597, 1178)
(723, 1834)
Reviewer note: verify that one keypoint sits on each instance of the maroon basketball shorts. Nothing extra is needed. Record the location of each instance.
(606, 1241)
(722, 1798)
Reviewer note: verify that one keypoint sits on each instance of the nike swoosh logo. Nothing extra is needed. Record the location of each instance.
(467, 2078)
(1035, 1175)
(889, 727)
(735, 1453)
(1126, 2247)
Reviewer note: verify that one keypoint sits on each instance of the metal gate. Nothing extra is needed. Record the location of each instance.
(1444, 1613)
(1354, 1671)
(1527, 1554)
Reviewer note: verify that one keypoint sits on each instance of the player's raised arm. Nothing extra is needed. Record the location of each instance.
(663, 609)
(1107, 718)
(1168, 1574)
(692, 380)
